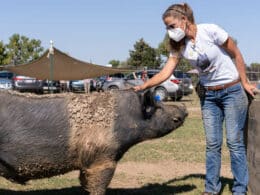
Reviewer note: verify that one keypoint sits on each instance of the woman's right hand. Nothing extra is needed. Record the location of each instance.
(163, 75)
(139, 88)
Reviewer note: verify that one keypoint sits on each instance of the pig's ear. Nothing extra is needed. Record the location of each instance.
(148, 104)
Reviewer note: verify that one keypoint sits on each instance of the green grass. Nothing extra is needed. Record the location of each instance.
(181, 145)
(55, 185)
(186, 144)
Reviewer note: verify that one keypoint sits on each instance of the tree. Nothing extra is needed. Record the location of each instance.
(255, 66)
(143, 56)
(163, 48)
(3, 54)
(114, 63)
(22, 50)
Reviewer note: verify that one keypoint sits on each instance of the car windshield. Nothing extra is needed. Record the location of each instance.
(150, 74)
(78, 81)
(180, 74)
(117, 75)
(7, 75)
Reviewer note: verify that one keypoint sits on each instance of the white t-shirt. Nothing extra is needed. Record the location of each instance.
(213, 63)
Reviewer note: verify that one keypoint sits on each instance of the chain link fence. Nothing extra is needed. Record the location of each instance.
(253, 76)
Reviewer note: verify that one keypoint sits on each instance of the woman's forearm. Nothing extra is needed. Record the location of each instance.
(155, 80)
(241, 68)
(231, 47)
(164, 74)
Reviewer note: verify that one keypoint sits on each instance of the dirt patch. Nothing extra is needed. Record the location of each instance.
(136, 174)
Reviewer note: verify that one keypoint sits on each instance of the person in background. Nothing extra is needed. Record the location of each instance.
(223, 83)
(63, 86)
(87, 85)
(144, 74)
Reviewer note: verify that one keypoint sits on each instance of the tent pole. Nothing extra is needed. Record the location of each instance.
(51, 53)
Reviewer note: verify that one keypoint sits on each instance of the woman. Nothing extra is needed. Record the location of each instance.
(223, 80)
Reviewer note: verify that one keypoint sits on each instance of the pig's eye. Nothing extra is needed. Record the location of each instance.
(176, 120)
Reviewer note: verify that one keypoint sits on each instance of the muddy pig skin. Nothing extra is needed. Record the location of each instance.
(48, 135)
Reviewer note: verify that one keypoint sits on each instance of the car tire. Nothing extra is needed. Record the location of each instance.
(178, 98)
(39, 92)
(161, 92)
(113, 87)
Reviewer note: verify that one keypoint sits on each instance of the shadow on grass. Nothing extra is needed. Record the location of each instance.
(166, 188)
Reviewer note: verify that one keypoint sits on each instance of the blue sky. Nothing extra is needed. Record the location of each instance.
(102, 30)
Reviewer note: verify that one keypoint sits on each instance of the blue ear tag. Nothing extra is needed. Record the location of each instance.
(157, 98)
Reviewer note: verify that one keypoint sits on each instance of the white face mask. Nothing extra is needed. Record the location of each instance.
(176, 34)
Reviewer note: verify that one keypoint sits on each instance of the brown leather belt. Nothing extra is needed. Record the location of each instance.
(220, 87)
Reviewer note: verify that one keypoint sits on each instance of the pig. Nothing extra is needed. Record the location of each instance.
(46, 135)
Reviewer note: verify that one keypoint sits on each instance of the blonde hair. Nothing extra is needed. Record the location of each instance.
(178, 11)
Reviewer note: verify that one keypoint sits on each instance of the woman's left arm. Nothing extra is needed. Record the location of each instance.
(235, 53)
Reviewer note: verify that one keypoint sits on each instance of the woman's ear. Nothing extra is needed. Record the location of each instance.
(184, 18)
(184, 21)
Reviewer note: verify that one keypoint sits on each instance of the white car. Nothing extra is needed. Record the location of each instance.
(170, 88)
(6, 82)
(121, 83)
(186, 82)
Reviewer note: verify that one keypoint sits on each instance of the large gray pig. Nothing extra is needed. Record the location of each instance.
(43, 136)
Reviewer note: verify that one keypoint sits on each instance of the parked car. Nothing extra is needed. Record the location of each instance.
(169, 88)
(101, 80)
(6, 74)
(6, 81)
(28, 84)
(6, 84)
(186, 82)
(93, 85)
(121, 83)
(76, 86)
(51, 86)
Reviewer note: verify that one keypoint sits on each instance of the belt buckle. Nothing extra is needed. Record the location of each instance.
(223, 87)
(217, 87)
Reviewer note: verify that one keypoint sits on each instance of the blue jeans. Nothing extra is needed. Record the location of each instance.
(229, 105)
